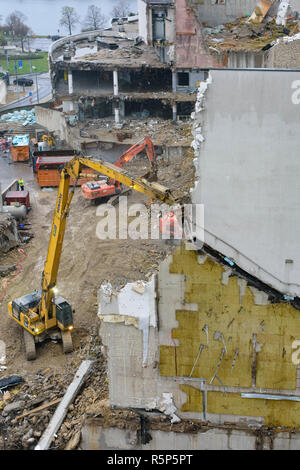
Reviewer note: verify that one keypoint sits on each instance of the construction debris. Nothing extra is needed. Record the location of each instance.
(62, 409)
(160, 131)
(37, 396)
(10, 382)
(26, 117)
(246, 35)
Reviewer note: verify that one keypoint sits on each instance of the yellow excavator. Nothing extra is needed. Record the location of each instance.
(49, 139)
(42, 313)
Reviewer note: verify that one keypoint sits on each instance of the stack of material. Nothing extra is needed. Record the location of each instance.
(20, 148)
(26, 117)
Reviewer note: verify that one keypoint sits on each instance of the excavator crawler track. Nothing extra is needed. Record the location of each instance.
(29, 345)
(67, 341)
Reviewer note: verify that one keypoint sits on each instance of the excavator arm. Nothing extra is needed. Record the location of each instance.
(145, 144)
(42, 313)
(65, 194)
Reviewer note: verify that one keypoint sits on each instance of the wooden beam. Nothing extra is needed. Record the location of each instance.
(39, 408)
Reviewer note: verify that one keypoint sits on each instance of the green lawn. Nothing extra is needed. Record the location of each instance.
(40, 64)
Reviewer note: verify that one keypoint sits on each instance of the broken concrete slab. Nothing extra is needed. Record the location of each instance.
(61, 411)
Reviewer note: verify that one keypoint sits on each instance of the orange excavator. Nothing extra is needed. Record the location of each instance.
(104, 187)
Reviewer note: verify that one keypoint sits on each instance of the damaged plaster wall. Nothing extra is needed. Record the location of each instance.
(129, 368)
(223, 11)
(246, 135)
(218, 351)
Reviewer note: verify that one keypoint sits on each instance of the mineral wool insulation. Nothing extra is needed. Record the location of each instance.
(134, 304)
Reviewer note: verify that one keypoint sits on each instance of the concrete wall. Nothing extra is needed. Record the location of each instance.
(217, 13)
(247, 172)
(95, 437)
(284, 55)
(52, 120)
(194, 79)
(202, 302)
(247, 348)
(247, 60)
(224, 11)
(143, 21)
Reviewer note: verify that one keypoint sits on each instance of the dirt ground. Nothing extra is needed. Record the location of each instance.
(86, 262)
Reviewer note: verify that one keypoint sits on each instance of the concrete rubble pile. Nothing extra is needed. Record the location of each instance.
(248, 35)
(9, 237)
(158, 130)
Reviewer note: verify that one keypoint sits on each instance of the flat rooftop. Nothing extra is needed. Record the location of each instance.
(107, 50)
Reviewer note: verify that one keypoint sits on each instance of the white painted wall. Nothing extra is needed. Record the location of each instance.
(248, 172)
(143, 30)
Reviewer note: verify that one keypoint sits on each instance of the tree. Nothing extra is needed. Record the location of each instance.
(16, 27)
(121, 10)
(94, 18)
(69, 18)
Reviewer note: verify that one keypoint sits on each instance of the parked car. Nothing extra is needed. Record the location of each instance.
(23, 81)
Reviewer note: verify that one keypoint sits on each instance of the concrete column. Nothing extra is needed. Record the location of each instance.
(174, 82)
(122, 109)
(116, 84)
(174, 109)
(1, 202)
(117, 115)
(70, 82)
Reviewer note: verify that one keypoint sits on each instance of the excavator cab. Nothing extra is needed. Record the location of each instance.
(64, 313)
(25, 310)
(99, 190)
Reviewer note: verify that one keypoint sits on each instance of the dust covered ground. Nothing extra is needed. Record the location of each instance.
(86, 262)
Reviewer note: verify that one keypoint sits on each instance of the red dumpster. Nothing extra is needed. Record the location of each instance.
(22, 197)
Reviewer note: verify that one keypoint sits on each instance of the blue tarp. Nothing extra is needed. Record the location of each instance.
(20, 140)
(24, 116)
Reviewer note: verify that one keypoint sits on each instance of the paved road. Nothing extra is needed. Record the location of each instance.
(44, 90)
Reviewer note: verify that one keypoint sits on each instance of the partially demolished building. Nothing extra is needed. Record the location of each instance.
(104, 80)
(206, 352)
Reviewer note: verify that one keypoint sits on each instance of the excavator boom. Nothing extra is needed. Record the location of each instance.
(99, 189)
(146, 144)
(41, 311)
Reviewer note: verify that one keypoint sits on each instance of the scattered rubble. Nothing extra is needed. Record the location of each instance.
(245, 35)
(160, 131)
(26, 410)
(9, 237)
